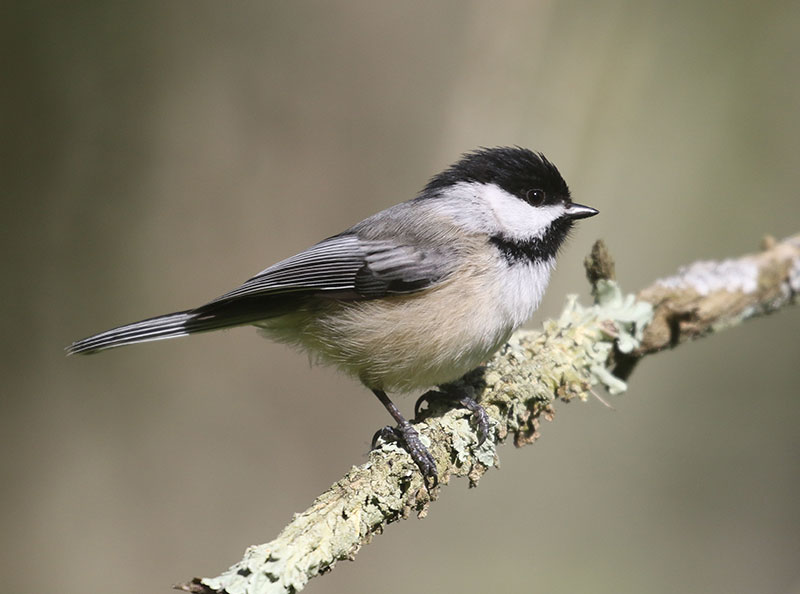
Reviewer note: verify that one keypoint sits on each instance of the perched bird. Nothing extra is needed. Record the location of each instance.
(412, 297)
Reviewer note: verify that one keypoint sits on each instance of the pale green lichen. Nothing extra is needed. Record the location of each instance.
(614, 319)
(332, 529)
(465, 440)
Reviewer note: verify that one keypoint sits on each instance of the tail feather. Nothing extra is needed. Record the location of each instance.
(212, 316)
(158, 328)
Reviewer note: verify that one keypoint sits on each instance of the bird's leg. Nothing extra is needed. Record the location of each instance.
(409, 437)
(453, 395)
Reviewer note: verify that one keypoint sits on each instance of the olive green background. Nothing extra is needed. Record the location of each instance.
(155, 154)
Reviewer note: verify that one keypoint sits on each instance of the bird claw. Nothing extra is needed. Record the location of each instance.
(408, 437)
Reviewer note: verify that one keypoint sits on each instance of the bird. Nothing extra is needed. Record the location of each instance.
(412, 297)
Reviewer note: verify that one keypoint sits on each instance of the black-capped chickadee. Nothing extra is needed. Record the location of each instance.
(412, 297)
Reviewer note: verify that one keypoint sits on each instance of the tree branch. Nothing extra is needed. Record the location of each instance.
(517, 388)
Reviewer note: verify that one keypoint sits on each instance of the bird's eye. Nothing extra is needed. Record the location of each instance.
(535, 197)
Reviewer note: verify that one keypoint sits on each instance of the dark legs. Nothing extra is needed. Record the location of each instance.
(409, 437)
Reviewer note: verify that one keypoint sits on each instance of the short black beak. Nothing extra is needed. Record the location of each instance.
(579, 211)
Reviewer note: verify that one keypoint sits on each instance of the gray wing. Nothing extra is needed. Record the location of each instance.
(349, 266)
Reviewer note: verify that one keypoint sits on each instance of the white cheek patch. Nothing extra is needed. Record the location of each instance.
(516, 218)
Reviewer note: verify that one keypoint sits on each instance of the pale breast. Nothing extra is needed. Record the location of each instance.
(408, 342)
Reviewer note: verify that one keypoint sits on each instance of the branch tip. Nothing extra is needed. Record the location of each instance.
(599, 264)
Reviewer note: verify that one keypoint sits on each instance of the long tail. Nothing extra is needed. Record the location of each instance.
(158, 328)
(213, 316)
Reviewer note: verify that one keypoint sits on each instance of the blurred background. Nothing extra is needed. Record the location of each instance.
(156, 154)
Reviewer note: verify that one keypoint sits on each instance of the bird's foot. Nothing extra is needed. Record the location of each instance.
(408, 437)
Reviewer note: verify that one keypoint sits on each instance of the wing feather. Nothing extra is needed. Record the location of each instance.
(347, 264)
